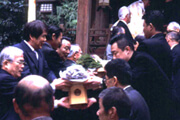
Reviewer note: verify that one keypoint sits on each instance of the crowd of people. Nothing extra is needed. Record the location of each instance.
(141, 81)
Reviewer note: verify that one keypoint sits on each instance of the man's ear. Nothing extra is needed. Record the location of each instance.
(53, 36)
(53, 103)
(5, 64)
(127, 49)
(115, 80)
(112, 113)
(151, 26)
(16, 107)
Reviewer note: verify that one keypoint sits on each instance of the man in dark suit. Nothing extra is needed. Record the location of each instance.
(12, 64)
(124, 18)
(119, 74)
(173, 41)
(156, 44)
(34, 37)
(147, 77)
(49, 48)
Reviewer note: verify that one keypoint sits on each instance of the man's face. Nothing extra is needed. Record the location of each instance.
(16, 66)
(64, 49)
(38, 42)
(57, 42)
(78, 54)
(147, 30)
(101, 112)
(118, 53)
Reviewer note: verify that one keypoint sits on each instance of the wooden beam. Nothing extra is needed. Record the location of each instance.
(83, 24)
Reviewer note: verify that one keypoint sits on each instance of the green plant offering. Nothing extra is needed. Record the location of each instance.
(88, 62)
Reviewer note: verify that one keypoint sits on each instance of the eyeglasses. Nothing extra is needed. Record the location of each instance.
(22, 62)
(19, 62)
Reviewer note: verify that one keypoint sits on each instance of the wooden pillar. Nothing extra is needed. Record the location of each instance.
(83, 23)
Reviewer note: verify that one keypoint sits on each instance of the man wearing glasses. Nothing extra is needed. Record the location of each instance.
(12, 64)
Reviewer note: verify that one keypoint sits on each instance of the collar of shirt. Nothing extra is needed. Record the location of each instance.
(174, 46)
(126, 87)
(123, 22)
(32, 49)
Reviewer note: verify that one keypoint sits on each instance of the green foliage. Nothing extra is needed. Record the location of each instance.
(67, 11)
(12, 18)
(88, 62)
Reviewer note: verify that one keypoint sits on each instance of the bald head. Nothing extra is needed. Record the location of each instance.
(33, 82)
(34, 96)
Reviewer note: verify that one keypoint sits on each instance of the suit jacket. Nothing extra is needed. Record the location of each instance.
(7, 85)
(176, 62)
(34, 66)
(55, 63)
(159, 49)
(127, 32)
(139, 109)
(149, 79)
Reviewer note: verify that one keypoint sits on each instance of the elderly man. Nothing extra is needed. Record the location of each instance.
(147, 77)
(34, 98)
(173, 26)
(155, 43)
(74, 55)
(119, 74)
(124, 18)
(114, 104)
(12, 64)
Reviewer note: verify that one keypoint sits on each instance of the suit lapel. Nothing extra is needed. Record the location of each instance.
(30, 54)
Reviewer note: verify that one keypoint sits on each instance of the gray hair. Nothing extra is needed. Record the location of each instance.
(123, 11)
(74, 49)
(174, 36)
(173, 26)
(9, 53)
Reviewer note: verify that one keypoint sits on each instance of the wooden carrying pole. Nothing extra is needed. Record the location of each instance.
(31, 10)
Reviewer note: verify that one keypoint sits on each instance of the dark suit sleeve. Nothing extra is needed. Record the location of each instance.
(48, 73)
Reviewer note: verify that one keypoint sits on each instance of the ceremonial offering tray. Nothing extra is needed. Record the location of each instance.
(77, 74)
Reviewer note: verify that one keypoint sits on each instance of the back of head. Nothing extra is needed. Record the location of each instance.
(116, 97)
(9, 53)
(120, 69)
(156, 18)
(173, 26)
(123, 11)
(34, 95)
(34, 28)
(122, 41)
(117, 30)
(53, 29)
(173, 36)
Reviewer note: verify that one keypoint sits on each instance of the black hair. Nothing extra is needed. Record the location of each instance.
(116, 97)
(121, 69)
(53, 29)
(34, 28)
(156, 18)
(122, 41)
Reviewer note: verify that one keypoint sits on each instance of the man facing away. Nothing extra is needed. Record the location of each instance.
(119, 74)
